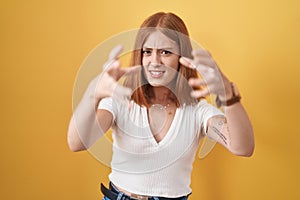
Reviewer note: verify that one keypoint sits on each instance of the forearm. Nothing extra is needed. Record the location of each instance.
(240, 131)
(88, 123)
(84, 129)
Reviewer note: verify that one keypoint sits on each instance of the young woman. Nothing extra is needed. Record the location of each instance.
(157, 133)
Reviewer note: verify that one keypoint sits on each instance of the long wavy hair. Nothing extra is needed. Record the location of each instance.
(174, 28)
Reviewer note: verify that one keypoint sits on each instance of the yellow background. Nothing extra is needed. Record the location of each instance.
(43, 44)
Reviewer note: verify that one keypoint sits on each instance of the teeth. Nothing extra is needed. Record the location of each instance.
(156, 73)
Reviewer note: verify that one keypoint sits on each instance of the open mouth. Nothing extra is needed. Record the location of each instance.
(156, 73)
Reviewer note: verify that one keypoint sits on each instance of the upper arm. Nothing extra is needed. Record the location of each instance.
(105, 119)
(74, 141)
(217, 129)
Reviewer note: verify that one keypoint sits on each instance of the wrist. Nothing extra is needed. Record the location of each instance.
(228, 93)
(231, 96)
(90, 96)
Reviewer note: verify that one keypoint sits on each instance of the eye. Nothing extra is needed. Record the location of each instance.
(146, 52)
(165, 52)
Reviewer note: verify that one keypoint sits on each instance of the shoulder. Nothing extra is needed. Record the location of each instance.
(108, 102)
(203, 107)
(201, 104)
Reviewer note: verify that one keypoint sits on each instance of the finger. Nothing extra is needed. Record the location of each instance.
(131, 70)
(115, 64)
(109, 64)
(196, 82)
(208, 61)
(113, 55)
(200, 52)
(187, 62)
(199, 93)
(115, 52)
(112, 69)
(127, 71)
(202, 83)
(204, 69)
(201, 68)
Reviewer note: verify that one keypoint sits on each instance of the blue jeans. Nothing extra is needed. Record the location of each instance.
(120, 194)
(156, 198)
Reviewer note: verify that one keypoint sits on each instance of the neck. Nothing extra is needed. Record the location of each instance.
(161, 95)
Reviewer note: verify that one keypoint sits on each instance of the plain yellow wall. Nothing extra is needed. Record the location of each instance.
(43, 44)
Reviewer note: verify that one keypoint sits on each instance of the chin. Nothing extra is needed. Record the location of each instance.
(160, 84)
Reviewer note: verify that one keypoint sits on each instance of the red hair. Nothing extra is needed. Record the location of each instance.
(173, 27)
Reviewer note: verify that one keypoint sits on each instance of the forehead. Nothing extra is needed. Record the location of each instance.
(158, 40)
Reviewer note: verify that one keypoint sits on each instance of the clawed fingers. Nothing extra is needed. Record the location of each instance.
(113, 65)
(200, 93)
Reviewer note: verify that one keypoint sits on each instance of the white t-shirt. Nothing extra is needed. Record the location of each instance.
(143, 166)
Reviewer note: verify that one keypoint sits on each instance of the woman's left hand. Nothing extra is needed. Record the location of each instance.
(212, 80)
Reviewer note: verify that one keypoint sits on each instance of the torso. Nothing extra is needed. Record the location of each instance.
(132, 134)
(160, 127)
(161, 132)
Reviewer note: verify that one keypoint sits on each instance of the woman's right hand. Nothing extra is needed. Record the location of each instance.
(106, 83)
(86, 125)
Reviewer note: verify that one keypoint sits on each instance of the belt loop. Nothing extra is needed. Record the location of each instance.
(120, 195)
(155, 198)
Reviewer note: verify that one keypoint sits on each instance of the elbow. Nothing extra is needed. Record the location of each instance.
(74, 142)
(245, 147)
(75, 147)
(243, 151)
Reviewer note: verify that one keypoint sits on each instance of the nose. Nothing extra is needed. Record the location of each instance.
(155, 59)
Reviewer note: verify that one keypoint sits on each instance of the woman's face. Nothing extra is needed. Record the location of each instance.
(160, 59)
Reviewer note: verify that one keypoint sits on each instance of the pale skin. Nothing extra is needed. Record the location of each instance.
(236, 132)
(233, 132)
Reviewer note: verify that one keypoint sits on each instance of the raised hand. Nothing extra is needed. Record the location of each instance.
(212, 79)
(106, 83)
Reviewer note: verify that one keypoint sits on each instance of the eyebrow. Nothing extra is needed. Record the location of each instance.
(164, 48)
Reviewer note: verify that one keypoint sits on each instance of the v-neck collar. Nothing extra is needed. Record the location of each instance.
(168, 134)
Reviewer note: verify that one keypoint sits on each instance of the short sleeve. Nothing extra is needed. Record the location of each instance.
(207, 111)
(109, 105)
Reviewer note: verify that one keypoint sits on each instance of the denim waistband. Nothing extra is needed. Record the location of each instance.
(126, 197)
